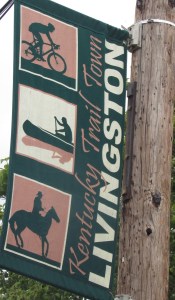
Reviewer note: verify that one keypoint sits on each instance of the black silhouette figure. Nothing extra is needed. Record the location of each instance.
(37, 206)
(37, 29)
(66, 130)
(22, 219)
(32, 51)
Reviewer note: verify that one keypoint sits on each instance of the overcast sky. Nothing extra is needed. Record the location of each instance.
(113, 12)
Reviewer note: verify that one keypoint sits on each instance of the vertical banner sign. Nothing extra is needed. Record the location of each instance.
(61, 215)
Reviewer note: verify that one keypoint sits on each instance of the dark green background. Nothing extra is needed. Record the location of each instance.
(53, 177)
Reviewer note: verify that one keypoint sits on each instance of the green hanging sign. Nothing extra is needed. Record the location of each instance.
(61, 216)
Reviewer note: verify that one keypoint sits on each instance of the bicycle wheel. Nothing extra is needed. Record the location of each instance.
(56, 62)
(28, 51)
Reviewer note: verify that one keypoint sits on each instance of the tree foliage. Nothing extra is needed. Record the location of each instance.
(18, 287)
(3, 176)
(172, 225)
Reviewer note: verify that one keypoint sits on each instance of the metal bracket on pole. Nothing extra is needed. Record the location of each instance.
(127, 173)
(123, 297)
(135, 39)
(135, 32)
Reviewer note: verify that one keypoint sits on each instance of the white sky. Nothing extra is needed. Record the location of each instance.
(113, 12)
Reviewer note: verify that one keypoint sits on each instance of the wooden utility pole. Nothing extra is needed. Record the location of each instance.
(144, 233)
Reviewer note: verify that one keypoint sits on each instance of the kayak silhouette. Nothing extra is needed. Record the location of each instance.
(46, 136)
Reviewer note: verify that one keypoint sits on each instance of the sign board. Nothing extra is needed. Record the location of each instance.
(64, 186)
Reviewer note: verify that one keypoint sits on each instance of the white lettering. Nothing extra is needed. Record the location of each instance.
(114, 154)
(104, 237)
(110, 129)
(100, 280)
(107, 210)
(102, 254)
(111, 105)
(105, 191)
(115, 89)
(110, 57)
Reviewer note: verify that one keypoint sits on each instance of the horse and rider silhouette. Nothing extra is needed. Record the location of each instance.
(38, 224)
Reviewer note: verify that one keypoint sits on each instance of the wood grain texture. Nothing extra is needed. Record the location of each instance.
(144, 234)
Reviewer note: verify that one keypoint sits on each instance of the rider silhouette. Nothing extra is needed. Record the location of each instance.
(66, 130)
(37, 206)
(37, 29)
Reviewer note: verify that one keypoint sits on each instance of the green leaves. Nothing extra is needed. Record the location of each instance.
(19, 287)
(4, 176)
(172, 225)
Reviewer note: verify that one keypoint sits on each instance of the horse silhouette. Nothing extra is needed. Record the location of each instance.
(39, 225)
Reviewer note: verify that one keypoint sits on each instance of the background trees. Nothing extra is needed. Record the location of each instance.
(172, 226)
(4, 176)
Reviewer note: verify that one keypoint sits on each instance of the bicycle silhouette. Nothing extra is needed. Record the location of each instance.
(31, 52)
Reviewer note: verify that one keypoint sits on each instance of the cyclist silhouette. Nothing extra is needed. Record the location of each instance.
(34, 50)
(37, 29)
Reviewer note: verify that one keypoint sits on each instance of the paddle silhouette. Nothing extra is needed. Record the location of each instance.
(37, 224)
